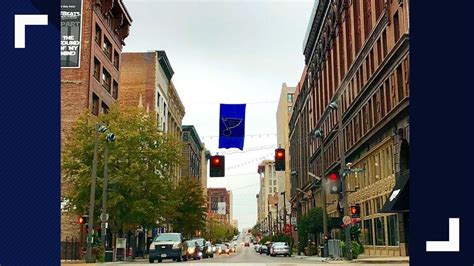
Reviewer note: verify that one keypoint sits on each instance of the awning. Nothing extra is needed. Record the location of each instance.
(399, 198)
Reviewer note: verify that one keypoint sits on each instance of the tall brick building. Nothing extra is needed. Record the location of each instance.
(95, 85)
(146, 82)
(192, 153)
(356, 54)
(217, 197)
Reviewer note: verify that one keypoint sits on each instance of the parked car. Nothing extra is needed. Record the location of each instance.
(168, 246)
(247, 244)
(204, 246)
(269, 245)
(257, 247)
(194, 250)
(209, 251)
(280, 248)
(263, 249)
(214, 249)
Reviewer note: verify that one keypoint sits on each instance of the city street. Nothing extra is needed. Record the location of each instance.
(248, 256)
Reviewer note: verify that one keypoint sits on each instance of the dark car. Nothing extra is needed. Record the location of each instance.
(194, 250)
(168, 246)
(205, 247)
(263, 249)
(247, 244)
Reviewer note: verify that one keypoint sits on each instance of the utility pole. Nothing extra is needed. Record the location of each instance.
(342, 156)
(104, 216)
(320, 134)
(92, 196)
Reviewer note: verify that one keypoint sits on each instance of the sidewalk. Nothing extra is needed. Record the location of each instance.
(362, 259)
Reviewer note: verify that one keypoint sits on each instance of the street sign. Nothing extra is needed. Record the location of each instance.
(293, 220)
(346, 220)
(104, 217)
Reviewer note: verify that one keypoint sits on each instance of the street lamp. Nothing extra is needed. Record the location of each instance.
(343, 173)
(320, 134)
(98, 129)
(104, 217)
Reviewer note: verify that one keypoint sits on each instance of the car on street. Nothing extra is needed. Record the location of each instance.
(263, 249)
(205, 247)
(168, 246)
(194, 250)
(247, 244)
(280, 248)
(225, 249)
(257, 247)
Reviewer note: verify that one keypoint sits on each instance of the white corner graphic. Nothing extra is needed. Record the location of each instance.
(447, 246)
(20, 24)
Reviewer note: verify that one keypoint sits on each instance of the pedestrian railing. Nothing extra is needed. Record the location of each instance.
(71, 249)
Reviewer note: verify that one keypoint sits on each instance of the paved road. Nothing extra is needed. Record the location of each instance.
(246, 256)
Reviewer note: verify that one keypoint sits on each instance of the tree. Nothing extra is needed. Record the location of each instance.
(311, 223)
(191, 207)
(140, 168)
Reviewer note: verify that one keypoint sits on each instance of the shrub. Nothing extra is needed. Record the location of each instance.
(357, 249)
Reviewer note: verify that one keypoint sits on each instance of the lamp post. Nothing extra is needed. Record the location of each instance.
(104, 217)
(347, 230)
(320, 134)
(98, 129)
(276, 218)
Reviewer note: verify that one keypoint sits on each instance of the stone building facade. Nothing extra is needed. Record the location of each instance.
(357, 55)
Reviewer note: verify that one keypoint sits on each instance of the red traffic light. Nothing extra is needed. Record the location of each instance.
(333, 176)
(81, 220)
(216, 161)
(280, 154)
(353, 210)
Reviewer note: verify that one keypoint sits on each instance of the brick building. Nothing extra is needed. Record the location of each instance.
(95, 85)
(192, 153)
(146, 82)
(357, 55)
(219, 204)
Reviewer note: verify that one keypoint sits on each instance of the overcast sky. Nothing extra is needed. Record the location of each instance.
(228, 52)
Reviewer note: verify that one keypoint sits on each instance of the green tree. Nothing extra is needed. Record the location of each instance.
(191, 207)
(140, 168)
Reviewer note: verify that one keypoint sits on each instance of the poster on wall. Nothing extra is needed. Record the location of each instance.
(71, 20)
(221, 208)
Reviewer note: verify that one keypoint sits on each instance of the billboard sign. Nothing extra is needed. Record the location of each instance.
(221, 208)
(71, 20)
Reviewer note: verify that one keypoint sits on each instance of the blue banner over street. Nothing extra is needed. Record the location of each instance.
(232, 126)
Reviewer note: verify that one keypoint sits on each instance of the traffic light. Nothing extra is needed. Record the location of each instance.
(217, 168)
(280, 159)
(334, 183)
(355, 211)
(84, 219)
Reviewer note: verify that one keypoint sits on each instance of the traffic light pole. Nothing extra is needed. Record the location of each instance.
(342, 156)
(104, 191)
(92, 198)
(323, 195)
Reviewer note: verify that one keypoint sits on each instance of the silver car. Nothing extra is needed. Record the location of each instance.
(280, 248)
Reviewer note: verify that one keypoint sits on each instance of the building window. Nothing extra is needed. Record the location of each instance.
(289, 109)
(367, 232)
(116, 60)
(115, 90)
(392, 223)
(107, 48)
(95, 104)
(396, 26)
(98, 34)
(379, 231)
(106, 80)
(290, 97)
(96, 69)
(158, 101)
(104, 108)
